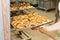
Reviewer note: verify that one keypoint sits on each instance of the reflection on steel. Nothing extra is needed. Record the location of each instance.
(5, 20)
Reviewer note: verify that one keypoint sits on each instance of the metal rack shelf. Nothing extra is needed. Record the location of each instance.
(47, 4)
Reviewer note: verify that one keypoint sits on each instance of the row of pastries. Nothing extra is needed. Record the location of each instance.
(21, 6)
(28, 20)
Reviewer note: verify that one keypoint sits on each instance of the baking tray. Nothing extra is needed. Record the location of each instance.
(32, 27)
(21, 9)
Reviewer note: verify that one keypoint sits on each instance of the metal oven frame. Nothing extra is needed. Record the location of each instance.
(6, 17)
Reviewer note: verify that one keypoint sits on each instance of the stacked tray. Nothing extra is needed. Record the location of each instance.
(30, 20)
(20, 6)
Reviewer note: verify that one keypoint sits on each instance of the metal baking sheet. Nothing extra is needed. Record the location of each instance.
(43, 23)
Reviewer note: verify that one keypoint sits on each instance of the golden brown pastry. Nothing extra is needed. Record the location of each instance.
(44, 18)
(20, 26)
(35, 13)
(33, 22)
(13, 22)
(32, 18)
(21, 16)
(18, 17)
(27, 23)
(30, 15)
(25, 16)
(14, 18)
(13, 8)
(39, 19)
(20, 21)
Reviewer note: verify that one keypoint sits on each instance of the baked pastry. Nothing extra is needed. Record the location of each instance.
(14, 18)
(30, 15)
(25, 16)
(20, 21)
(21, 16)
(25, 20)
(20, 26)
(35, 13)
(27, 23)
(13, 22)
(33, 22)
(44, 18)
(32, 18)
(18, 17)
(13, 8)
(39, 19)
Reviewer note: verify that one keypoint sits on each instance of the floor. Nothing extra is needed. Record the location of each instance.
(35, 34)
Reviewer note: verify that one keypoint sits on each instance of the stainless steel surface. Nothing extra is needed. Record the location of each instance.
(47, 4)
(6, 18)
(1, 22)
